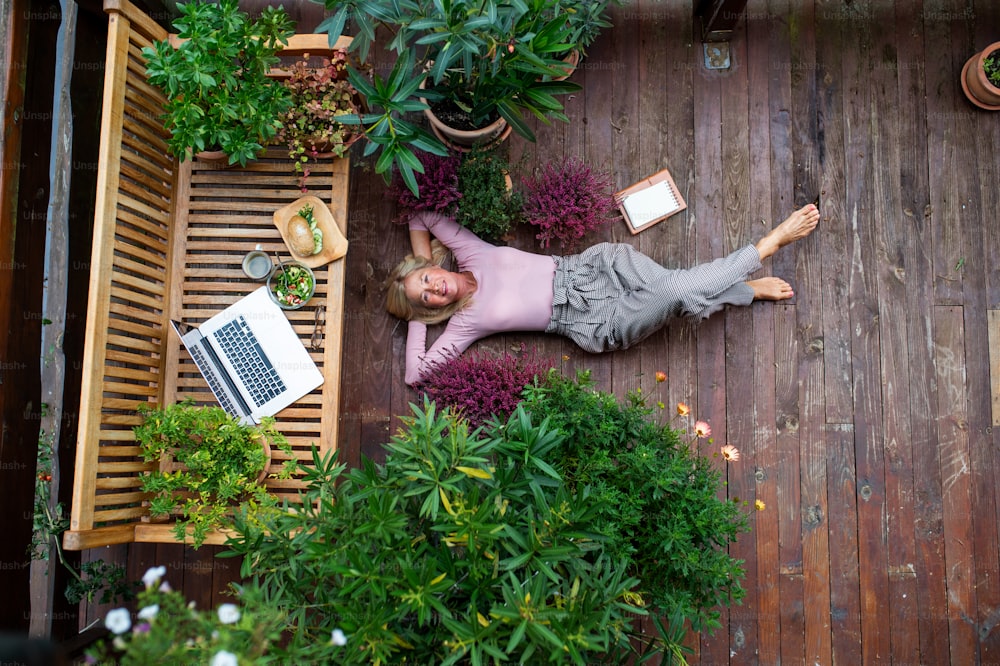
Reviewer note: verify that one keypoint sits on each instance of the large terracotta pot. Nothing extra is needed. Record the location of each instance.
(464, 140)
(976, 86)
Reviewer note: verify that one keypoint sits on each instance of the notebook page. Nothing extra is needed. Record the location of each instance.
(650, 204)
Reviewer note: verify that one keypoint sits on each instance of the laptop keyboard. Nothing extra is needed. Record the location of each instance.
(252, 365)
(213, 381)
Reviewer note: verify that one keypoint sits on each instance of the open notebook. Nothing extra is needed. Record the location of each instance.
(649, 201)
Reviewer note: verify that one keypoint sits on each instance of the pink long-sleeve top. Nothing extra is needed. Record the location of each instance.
(514, 293)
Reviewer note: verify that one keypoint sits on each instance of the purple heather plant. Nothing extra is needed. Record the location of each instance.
(566, 201)
(438, 186)
(480, 385)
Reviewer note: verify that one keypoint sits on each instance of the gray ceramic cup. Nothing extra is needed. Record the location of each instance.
(257, 264)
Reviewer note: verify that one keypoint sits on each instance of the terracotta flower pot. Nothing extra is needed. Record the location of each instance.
(572, 62)
(464, 140)
(215, 159)
(976, 86)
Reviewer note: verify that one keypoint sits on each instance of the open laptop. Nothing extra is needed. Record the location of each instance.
(251, 357)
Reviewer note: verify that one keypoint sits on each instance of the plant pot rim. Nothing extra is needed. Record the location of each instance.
(975, 64)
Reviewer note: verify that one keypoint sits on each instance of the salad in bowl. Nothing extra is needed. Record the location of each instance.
(291, 284)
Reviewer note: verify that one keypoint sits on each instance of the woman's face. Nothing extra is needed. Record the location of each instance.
(433, 287)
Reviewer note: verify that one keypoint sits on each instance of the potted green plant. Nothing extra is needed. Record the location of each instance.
(474, 187)
(215, 79)
(981, 78)
(489, 63)
(489, 206)
(320, 96)
(585, 19)
(209, 461)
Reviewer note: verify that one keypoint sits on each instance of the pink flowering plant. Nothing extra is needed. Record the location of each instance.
(438, 183)
(566, 201)
(481, 385)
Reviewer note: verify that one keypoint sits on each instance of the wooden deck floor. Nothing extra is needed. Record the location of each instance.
(863, 407)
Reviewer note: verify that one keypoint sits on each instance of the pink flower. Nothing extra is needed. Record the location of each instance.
(702, 429)
(730, 453)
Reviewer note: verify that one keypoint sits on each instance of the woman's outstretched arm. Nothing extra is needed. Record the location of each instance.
(420, 242)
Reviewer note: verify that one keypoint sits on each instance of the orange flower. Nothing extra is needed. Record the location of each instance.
(730, 453)
(660, 377)
(760, 506)
(565, 357)
(702, 429)
(682, 409)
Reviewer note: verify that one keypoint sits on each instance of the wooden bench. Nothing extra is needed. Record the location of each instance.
(169, 239)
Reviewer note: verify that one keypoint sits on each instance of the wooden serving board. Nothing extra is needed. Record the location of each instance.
(334, 243)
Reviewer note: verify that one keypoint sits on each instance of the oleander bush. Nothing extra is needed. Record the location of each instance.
(658, 495)
(543, 537)
(463, 547)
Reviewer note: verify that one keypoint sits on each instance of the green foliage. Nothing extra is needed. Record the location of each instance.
(92, 581)
(100, 582)
(461, 548)
(585, 20)
(657, 496)
(991, 65)
(487, 207)
(168, 630)
(218, 93)
(385, 124)
(219, 460)
(488, 59)
(320, 96)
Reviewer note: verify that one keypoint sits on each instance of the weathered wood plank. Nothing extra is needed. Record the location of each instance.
(762, 625)
(891, 238)
(845, 584)
(787, 356)
(737, 231)
(916, 275)
(953, 436)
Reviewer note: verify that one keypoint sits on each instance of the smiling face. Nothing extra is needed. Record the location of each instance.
(434, 287)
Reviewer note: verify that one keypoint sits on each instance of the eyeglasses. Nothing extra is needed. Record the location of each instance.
(319, 327)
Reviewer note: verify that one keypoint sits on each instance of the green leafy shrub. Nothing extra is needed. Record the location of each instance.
(219, 95)
(220, 460)
(656, 496)
(461, 548)
(487, 207)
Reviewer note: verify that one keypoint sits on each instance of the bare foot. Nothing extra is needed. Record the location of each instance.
(770, 289)
(796, 226)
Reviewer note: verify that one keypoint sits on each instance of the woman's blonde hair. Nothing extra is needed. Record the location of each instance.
(400, 306)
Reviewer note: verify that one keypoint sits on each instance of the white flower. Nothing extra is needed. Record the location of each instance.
(223, 658)
(165, 587)
(338, 637)
(149, 612)
(229, 614)
(118, 621)
(153, 576)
